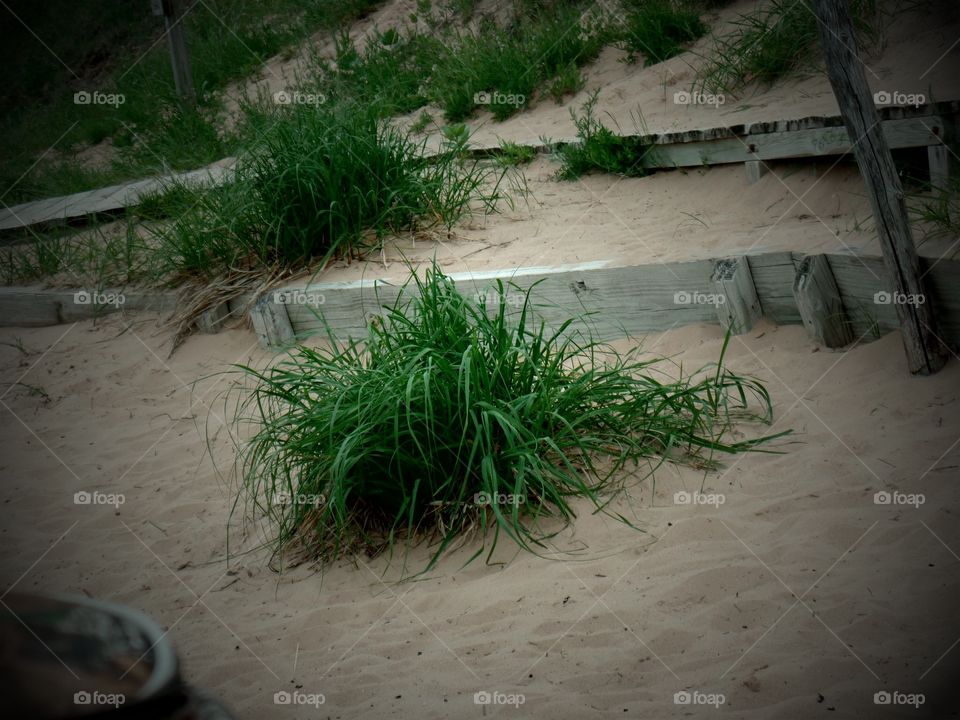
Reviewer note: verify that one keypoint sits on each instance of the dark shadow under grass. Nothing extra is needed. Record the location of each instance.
(456, 414)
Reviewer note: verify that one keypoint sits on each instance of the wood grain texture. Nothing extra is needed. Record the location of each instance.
(925, 352)
(820, 304)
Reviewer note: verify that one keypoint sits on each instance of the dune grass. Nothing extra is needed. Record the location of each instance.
(658, 30)
(62, 48)
(599, 148)
(457, 413)
(323, 182)
(772, 42)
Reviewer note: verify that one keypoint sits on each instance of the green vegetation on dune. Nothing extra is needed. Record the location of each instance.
(457, 413)
(323, 182)
(57, 49)
(501, 66)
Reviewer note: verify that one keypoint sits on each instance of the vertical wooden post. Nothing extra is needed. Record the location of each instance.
(271, 323)
(925, 352)
(755, 170)
(182, 78)
(818, 300)
(738, 307)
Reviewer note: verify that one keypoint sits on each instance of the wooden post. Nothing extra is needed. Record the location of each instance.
(738, 307)
(926, 354)
(211, 321)
(182, 78)
(271, 323)
(938, 158)
(818, 299)
(755, 170)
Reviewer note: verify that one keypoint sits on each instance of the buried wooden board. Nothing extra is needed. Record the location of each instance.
(616, 301)
(773, 275)
(40, 307)
(813, 142)
(865, 288)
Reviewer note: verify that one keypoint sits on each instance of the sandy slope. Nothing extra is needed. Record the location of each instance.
(670, 216)
(797, 586)
(677, 215)
(916, 54)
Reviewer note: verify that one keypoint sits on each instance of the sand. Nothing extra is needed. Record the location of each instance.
(671, 216)
(795, 597)
(691, 214)
(798, 596)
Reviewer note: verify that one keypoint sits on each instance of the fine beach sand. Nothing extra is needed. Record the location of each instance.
(796, 597)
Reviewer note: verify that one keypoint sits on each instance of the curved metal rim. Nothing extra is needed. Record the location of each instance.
(166, 665)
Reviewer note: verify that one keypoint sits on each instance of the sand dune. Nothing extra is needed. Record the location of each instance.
(796, 596)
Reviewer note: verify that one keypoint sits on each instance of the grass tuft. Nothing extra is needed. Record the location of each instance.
(599, 148)
(659, 29)
(773, 42)
(458, 413)
(324, 182)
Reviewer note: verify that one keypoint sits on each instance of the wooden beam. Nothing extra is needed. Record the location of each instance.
(180, 60)
(271, 323)
(756, 169)
(739, 307)
(803, 142)
(938, 157)
(211, 321)
(821, 307)
(926, 353)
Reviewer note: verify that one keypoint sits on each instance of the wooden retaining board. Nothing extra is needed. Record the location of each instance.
(620, 301)
(811, 142)
(40, 307)
(641, 299)
(773, 275)
(861, 278)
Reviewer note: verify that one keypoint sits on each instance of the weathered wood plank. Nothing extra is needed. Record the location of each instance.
(271, 322)
(40, 307)
(820, 304)
(918, 322)
(733, 282)
(773, 275)
(618, 301)
(815, 142)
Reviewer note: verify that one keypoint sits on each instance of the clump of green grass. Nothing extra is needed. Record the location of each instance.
(457, 413)
(568, 81)
(772, 42)
(600, 149)
(938, 213)
(120, 48)
(389, 72)
(113, 254)
(659, 29)
(423, 121)
(513, 154)
(502, 68)
(324, 182)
